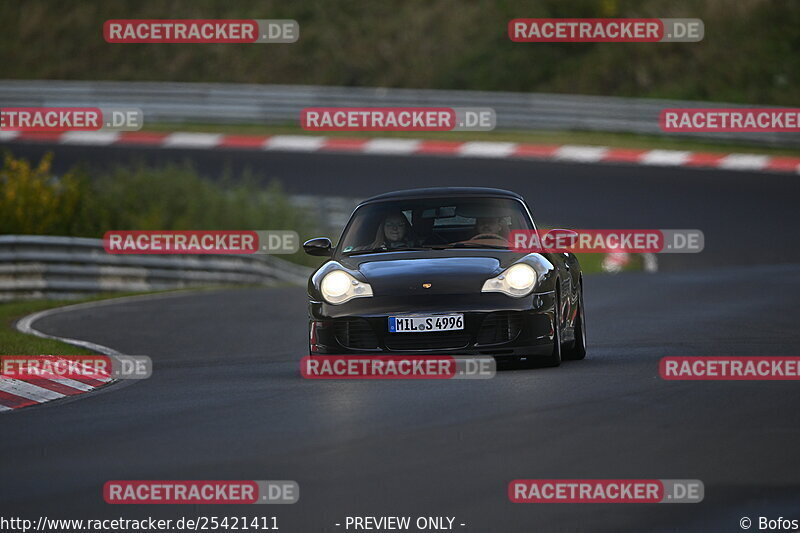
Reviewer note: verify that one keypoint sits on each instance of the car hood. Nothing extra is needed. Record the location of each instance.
(445, 275)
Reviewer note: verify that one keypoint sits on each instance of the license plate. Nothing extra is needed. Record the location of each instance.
(409, 324)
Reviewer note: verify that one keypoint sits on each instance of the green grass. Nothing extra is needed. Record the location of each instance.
(617, 140)
(12, 342)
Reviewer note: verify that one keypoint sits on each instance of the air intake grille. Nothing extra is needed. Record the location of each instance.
(427, 341)
(356, 333)
(499, 327)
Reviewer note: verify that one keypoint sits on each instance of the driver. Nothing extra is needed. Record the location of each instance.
(490, 226)
(393, 232)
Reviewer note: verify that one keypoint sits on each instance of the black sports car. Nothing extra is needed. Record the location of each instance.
(431, 272)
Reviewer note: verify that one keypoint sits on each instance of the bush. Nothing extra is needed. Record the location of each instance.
(34, 202)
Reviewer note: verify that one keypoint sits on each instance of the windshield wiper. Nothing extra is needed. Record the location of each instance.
(478, 245)
(384, 249)
(426, 247)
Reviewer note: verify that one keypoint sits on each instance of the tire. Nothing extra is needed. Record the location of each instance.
(577, 348)
(554, 359)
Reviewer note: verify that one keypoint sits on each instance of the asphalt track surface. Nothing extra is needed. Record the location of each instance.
(226, 400)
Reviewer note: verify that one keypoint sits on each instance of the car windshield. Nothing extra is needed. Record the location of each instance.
(434, 223)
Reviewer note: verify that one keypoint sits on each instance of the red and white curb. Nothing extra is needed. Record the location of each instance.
(409, 147)
(17, 393)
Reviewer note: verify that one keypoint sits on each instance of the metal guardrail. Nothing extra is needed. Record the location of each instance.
(281, 104)
(332, 212)
(33, 266)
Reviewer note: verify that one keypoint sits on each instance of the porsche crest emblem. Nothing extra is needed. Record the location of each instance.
(426, 285)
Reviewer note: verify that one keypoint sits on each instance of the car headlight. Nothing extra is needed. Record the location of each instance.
(517, 280)
(338, 287)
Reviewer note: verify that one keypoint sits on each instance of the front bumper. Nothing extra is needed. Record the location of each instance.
(508, 327)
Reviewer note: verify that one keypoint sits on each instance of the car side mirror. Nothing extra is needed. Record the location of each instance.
(319, 246)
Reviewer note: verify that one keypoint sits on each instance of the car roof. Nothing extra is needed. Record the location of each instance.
(432, 192)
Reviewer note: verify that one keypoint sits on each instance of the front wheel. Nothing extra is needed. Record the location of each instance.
(577, 349)
(554, 359)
